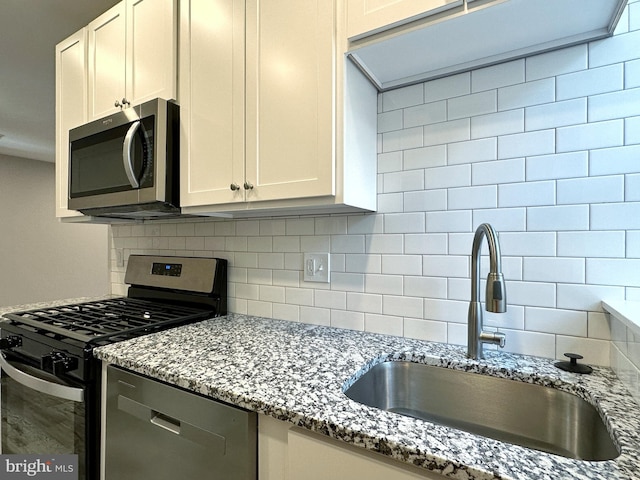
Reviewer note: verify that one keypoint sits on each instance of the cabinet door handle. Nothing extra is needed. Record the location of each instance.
(234, 187)
(248, 186)
(117, 104)
(125, 102)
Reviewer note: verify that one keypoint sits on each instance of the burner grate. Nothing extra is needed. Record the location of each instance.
(97, 321)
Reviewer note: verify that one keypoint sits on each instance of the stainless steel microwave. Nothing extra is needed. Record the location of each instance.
(126, 165)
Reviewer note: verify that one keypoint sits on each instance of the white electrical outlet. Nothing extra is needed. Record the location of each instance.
(317, 267)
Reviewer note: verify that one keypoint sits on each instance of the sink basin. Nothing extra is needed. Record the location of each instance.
(532, 416)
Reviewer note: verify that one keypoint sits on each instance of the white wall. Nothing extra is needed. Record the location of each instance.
(43, 259)
(546, 148)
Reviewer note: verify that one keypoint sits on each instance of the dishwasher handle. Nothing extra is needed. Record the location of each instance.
(165, 421)
(174, 425)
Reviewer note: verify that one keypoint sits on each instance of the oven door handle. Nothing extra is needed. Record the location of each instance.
(40, 385)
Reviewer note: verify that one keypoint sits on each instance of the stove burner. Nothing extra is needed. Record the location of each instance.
(94, 322)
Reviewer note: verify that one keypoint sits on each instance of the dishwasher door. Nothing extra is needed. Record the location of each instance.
(155, 431)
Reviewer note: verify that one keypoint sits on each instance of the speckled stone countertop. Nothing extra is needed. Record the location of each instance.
(297, 372)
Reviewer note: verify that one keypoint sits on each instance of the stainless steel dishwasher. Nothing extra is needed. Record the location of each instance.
(155, 431)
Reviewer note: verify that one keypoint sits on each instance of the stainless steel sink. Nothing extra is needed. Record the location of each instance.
(532, 416)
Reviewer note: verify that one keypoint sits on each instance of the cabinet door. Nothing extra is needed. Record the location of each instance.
(212, 101)
(151, 50)
(71, 109)
(290, 99)
(106, 61)
(371, 16)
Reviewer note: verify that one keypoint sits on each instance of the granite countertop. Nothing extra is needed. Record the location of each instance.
(297, 373)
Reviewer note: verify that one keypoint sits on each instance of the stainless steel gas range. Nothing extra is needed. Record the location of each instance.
(50, 380)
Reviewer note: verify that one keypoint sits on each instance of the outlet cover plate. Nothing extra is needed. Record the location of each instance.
(317, 267)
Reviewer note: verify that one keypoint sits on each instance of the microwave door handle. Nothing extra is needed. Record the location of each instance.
(40, 385)
(127, 161)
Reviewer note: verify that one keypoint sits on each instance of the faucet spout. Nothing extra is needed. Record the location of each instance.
(495, 294)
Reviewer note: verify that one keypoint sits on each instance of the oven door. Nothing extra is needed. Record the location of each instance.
(40, 413)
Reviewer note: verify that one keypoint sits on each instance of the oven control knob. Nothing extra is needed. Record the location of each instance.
(10, 342)
(58, 363)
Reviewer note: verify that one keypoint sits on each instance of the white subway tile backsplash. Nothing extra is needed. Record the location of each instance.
(384, 284)
(544, 148)
(590, 136)
(557, 114)
(563, 165)
(561, 322)
(495, 124)
(632, 73)
(498, 172)
(425, 157)
(453, 221)
(447, 177)
(526, 144)
(427, 287)
(403, 181)
(502, 219)
(590, 82)
(526, 194)
(613, 271)
(445, 266)
(390, 121)
(467, 198)
(619, 48)
(413, 222)
(384, 243)
(425, 244)
(632, 130)
(590, 190)
(363, 263)
(527, 94)
(528, 244)
(402, 139)
(348, 320)
(607, 106)
(472, 105)
(402, 264)
(591, 244)
(425, 330)
(587, 297)
(472, 151)
(384, 324)
(425, 114)
(447, 87)
(554, 269)
(615, 216)
(402, 97)
(495, 76)
(402, 306)
(557, 62)
(558, 218)
(447, 132)
(425, 201)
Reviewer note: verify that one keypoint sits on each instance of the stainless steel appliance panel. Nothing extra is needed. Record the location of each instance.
(154, 430)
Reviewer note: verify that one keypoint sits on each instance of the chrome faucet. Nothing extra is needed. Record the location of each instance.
(496, 293)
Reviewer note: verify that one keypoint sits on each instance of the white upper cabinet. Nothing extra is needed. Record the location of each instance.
(365, 17)
(71, 109)
(132, 55)
(471, 35)
(290, 99)
(262, 87)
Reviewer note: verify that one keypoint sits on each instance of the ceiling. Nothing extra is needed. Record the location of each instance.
(29, 32)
